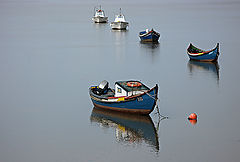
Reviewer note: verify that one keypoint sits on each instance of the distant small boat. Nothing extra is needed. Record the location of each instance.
(99, 16)
(119, 22)
(128, 96)
(149, 36)
(197, 54)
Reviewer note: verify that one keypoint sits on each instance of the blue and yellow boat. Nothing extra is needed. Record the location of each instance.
(197, 54)
(128, 96)
(149, 36)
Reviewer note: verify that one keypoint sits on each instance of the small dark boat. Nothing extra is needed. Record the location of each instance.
(130, 128)
(128, 96)
(149, 36)
(197, 54)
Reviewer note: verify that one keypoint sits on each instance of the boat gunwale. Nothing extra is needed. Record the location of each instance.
(147, 33)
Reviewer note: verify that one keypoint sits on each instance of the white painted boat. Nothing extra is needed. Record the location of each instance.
(99, 16)
(119, 23)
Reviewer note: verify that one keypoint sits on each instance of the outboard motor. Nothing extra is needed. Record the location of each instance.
(103, 87)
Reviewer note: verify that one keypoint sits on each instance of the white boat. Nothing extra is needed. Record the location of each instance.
(119, 22)
(99, 16)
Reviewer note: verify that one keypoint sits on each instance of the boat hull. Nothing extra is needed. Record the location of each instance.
(99, 19)
(149, 37)
(204, 56)
(119, 25)
(138, 104)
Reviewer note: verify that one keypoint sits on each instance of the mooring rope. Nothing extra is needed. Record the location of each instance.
(153, 96)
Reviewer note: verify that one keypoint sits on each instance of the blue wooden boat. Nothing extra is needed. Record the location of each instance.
(197, 54)
(149, 36)
(130, 128)
(128, 96)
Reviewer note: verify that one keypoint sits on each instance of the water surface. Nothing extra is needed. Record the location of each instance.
(51, 52)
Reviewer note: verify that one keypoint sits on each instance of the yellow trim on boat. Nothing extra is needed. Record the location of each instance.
(121, 99)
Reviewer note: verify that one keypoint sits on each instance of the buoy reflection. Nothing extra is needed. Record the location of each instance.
(193, 122)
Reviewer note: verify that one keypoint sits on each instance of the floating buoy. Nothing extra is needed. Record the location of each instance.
(192, 116)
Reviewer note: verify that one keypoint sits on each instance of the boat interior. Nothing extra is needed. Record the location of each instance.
(193, 49)
(104, 94)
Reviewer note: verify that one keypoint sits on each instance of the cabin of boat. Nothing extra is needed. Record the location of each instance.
(120, 18)
(129, 88)
(99, 13)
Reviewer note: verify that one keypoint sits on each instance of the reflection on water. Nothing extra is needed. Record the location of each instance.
(150, 48)
(100, 26)
(119, 38)
(120, 35)
(150, 45)
(131, 129)
(210, 67)
(193, 122)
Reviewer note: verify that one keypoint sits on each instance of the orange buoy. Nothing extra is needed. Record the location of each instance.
(134, 84)
(192, 116)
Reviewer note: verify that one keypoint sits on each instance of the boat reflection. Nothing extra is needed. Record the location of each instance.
(211, 67)
(100, 26)
(131, 129)
(149, 45)
(120, 34)
(150, 49)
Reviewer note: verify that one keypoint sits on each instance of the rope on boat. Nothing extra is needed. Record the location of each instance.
(158, 112)
(161, 117)
(153, 96)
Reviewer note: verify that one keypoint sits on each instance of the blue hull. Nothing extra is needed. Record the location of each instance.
(212, 56)
(139, 104)
(151, 36)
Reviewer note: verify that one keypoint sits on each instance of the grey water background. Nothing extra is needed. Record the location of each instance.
(51, 53)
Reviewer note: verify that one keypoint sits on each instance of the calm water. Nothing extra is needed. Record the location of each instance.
(51, 52)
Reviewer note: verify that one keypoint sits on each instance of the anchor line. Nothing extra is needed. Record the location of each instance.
(153, 96)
